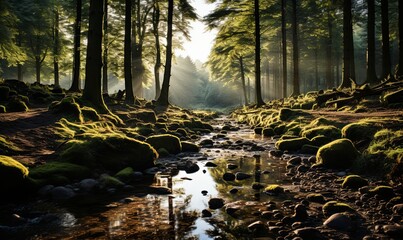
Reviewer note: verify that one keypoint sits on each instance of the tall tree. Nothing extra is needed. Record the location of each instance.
(329, 48)
(259, 100)
(386, 64)
(105, 53)
(128, 53)
(348, 47)
(284, 46)
(371, 72)
(93, 66)
(75, 85)
(400, 68)
(295, 50)
(157, 65)
(56, 45)
(163, 98)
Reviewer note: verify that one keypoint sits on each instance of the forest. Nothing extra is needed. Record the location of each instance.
(291, 128)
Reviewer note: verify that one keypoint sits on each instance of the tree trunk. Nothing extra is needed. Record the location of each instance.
(128, 53)
(157, 66)
(137, 53)
(295, 50)
(20, 75)
(75, 85)
(371, 73)
(38, 69)
(348, 50)
(93, 66)
(105, 66)
(259, 100)
(386, 65)
(284, 46)
(329, 57)
(400, 69)
(163, 98)
(316, 70)
(56, 48)
(243, 80)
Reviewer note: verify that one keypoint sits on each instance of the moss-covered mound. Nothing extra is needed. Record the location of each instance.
(69, 108)
(286, 114)
(333, 207)
(320, 140)
(167, 141)
(361, 130)
(340, 153)
(328, 131)
(384, 192)
(12, 175)
(59, 173)
(110, 151)
(388, 143)
(144, 115)
(274, 189)
(293, 144)
(354, 182)
(189, 147)
(125, 174)
(16, 105)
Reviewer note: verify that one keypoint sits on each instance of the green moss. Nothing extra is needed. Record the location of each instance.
(315, 197)
(387, 142)
(109, 151)
(57, 172)
(7, 147)
(328, 131)
(170, 142)
(291, 144)
(144, 115)
(362, 130)
(107, 181)
(320, 140)
(125, 174)
(385, 192)
(309, 149)
(286, 114)
(354, 182)
(322, 122)
(274, 188)
(2, 109)
(4, 93)
(340, 153)
(90, 114)
(333, 207)
(16, 105)
(67, 107)
(189, 147)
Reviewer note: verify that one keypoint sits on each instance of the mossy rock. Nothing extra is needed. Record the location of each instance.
(328, 131)
(189, 147)
(12, 175)
(67, 107)
(309, 149)
(16, 105)
(125, 175)
(162, 152)
(57, 172)
(286, 114)
(7, 147)
(144, 115)
(291, 144)
(394, 97)
(4, 93)
(111, 152)
(320, 140)
(144, 130)
(170, 142)
(354, 182)
(316, 197)
(2, 109)
(106, 181)
(197, 124)
(384, 192)
(268, 132)
(274, 189)
(258, 130)
(90, 114)
(333, 207)
(182, 132)
(340, 153)
(362, 130)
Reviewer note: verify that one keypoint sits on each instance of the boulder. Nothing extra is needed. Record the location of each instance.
(293, 144)
(274, 189)
(331, 132)
(170, 142)
(384, 192)
(339, 221)
(333, 207)
(12, 175)
(62, 193)
(215, 203)
(189, 147)
(340, 153)
(354, 182)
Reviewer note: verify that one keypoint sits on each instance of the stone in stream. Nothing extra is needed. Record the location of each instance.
(206, 213)
(204, 192)
(275, 153)
(300, 213)
(191, 167)
(398, 209)
(242, 176)
(316, 197)
(394, 231)
(294, 161)
(210, 164)
(339, 221)
(257, 226)
(233, 191)
(228, 176)
(215, 203)
(88, 185)
(232, 166)
(61, 193)
(308, 233)
(354, 182)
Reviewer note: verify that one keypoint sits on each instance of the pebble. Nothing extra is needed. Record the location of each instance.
(215, 203)
(206, 213)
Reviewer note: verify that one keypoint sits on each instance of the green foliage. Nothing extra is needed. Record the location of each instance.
(340, 153)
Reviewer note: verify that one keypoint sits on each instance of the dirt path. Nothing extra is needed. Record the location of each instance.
(32, 132)
(348, 117)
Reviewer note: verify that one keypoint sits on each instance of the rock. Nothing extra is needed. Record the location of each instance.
(61, 193)
(357, 131)
(125, 175)
(151, 171)
(210, 164)
(232, 209)
(320, 140)
(45, 190)
(275, 153)
(257, 226)
(341, 174)
(394, 97)
(191, 167)
(293, 144)
(340, 153)
(339, 221)
(333, 207)
(207, 142)
(398, 209)
(206, 213)
(274, 189)
(354, 182)
(295, 161)
(233, 191)
(384, 192)
(215, 203)
(88, 184)
(189, 147)
(300, 213)
(327, 131)
(258, 130)
(12, 175)
(316, 197)
(228, 176)
(394, 231)
(308, 233)
(204, 192)
(242, 176)
(268, 132)
(257, 186)
(231, 166)
(106, 182)
(170, 142)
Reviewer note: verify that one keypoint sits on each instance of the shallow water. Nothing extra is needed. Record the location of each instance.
(141, 215)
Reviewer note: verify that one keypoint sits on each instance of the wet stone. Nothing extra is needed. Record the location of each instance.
(233, 191)
(231, 166)
(206, 213)
(395, 231)
(242, 176)
(398, 209)
(228, 176)
(210, 164)
(216, 203)
(339, 221)
(308, 233)
(204, 192)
